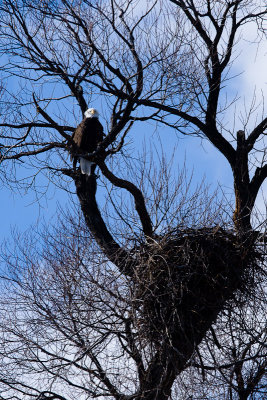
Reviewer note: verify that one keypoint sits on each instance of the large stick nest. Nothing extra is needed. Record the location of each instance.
(182, 280)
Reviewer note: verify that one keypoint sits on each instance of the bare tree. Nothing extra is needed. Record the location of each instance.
(165, 63)
(231, 361)
(72, 326)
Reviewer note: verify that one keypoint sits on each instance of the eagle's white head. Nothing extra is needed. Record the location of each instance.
(91, 113)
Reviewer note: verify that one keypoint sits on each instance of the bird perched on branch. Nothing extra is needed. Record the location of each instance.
(88, 134)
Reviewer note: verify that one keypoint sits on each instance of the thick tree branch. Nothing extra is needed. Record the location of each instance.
(257, 180)
(86, 189)
(211, 132)
(136, 193)
(255, 134)
(47, 395)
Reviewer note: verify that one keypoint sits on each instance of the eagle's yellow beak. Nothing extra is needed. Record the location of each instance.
(93, 112)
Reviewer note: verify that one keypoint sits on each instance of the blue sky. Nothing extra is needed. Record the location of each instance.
(20, 210)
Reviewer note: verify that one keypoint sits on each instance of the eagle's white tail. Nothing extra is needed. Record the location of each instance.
(85, 166)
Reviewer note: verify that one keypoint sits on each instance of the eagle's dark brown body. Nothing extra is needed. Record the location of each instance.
(88, 134)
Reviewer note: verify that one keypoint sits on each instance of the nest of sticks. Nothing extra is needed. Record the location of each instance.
(183, 279)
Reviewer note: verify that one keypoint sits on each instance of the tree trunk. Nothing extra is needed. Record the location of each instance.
(243, 197)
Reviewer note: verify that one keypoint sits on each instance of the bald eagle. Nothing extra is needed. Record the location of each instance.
(88, 134)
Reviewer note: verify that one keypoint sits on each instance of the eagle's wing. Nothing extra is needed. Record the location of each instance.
(77, 136)
(76, 142)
